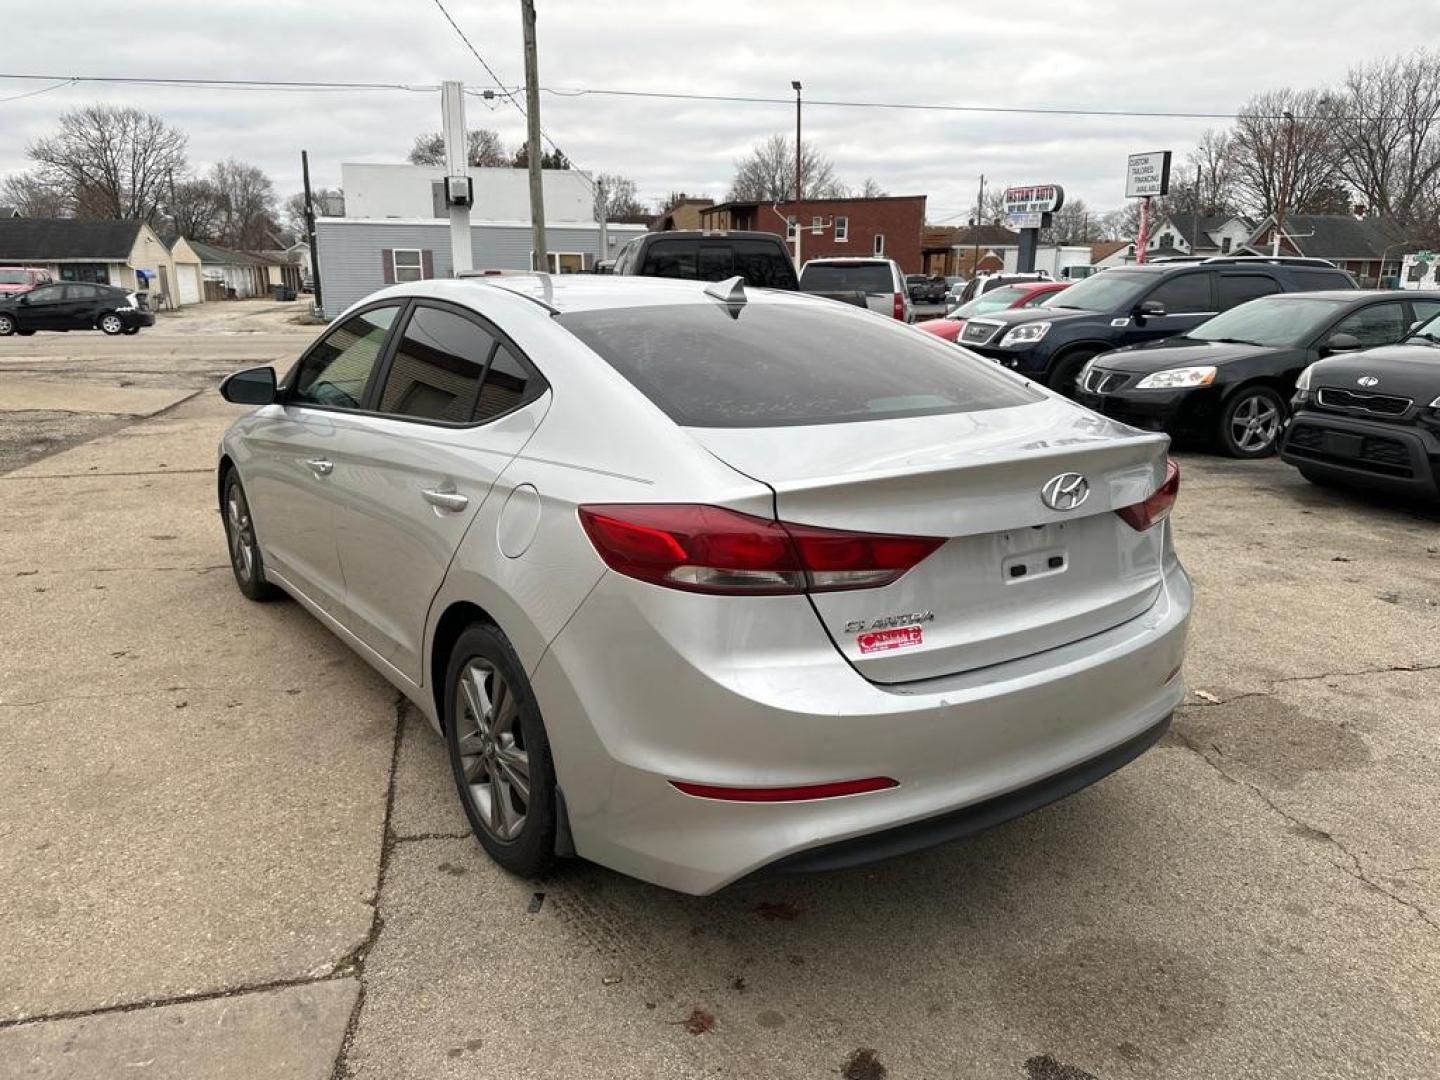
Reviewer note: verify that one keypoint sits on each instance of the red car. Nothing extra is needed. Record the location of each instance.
(1022, 294)
(18, 279)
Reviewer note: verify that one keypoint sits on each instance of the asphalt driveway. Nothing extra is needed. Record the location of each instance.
(230, 851)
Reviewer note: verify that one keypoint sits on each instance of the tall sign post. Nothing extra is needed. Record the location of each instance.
(1146, 175)
(1027, 211)
(459, 192)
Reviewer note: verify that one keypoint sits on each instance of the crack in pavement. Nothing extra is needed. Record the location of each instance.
(1355, 870)
(125, 569)
(354, 962)
(88, 475)
(246, 688)
(412, 838)
(1205, 703)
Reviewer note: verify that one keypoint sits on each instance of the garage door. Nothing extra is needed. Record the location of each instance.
(188, 278)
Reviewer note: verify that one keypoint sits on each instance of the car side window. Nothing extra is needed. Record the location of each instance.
(508, 384)
(1184, 294)
(336, 371)
(47, 295)
(437, 367)
(672, 259)
(1236, 289)
(1378, 324)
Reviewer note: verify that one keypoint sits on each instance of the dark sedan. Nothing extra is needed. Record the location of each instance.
(1230, 379)
(73, 306)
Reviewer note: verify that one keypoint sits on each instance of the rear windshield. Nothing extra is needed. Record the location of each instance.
(773, 365)
(14, 277)
(847, 277)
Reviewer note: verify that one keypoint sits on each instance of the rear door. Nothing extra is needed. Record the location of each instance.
(454, 406)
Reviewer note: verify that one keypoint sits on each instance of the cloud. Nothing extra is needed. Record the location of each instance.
(1093, 54)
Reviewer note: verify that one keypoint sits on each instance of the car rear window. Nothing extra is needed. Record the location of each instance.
(14, 277)
(774, 365)
(848, 277)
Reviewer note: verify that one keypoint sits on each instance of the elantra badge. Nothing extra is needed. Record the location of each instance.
(1368, 380)
(1065, 492)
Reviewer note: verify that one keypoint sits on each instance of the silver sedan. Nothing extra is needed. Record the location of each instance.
(700, 582)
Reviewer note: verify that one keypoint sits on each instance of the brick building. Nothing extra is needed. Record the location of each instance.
(889, 226)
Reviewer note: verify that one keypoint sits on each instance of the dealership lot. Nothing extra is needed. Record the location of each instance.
(215, 809)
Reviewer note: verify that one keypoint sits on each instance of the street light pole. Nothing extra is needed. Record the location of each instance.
(799, 191)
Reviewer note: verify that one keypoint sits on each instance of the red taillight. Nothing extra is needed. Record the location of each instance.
(1156, 508)
(786, 794)
(710, 549)
(900, 306)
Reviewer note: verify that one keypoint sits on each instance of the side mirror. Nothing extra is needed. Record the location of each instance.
(1341, 343)
(1151, 308)
(253, 386)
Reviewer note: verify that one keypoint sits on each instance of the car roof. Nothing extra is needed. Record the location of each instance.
(561, 293)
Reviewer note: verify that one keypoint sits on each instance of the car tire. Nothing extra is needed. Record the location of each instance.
(246, 562)
(131, 330)
(25, 333)
(7, 325)
(500, 758)
(111, 323)
(1251, 422)
(1067, 370)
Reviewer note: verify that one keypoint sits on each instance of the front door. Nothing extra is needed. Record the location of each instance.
(1188, 300)
(42, 309)
(290, 478)
(456, 405)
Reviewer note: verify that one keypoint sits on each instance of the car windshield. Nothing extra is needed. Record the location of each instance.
(1110, 291)
(847, 277)
(1275, 321)
(14, 277)
(773, 365)
(994, 300)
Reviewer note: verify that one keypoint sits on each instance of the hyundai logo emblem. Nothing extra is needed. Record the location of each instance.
(1065, 492)
(1368, 380)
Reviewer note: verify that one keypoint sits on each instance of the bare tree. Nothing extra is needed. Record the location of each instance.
(767, 173)
(1206, 183)
(110, 162)
(621, 199)
(483, 148)
(248, 204)
(1387, 128)
(33, 197)
(329, 202)
(1280, 161)
(196, 209)
(871, 189)
(1072, 224)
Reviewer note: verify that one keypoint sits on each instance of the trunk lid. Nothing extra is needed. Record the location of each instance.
(1015, 576)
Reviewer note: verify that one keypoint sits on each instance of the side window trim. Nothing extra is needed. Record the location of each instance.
(382, 360)
(536, 384)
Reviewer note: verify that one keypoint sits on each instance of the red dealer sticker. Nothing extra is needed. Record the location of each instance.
(884, 640)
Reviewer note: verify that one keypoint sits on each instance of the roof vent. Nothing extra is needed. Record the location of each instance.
(731, 291)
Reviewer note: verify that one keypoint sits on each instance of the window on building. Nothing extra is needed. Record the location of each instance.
(842, 230)
(561, 262)
(1166, 240)
(409, 264)
(792, 227)
(1225, 245)
(878, 246)
(817, 224)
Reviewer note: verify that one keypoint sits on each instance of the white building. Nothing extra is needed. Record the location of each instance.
(397, 227)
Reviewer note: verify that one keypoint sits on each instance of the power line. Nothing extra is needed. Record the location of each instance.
(37, 93)
(225, 84)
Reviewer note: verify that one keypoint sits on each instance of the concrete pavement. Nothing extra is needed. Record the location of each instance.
(227, 847)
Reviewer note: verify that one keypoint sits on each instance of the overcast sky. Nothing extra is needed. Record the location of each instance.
(1077, 53)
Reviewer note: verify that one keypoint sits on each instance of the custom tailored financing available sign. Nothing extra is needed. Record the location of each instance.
(1148, 174)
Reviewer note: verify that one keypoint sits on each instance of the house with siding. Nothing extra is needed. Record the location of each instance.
(396, 228)
(1371, 248)
(128, 254)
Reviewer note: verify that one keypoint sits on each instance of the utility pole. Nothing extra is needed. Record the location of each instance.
(799, 185)
(459, 192)
(1287, 179)
(1195, 213)
(602, 213)
(310, 231)
(532, 124)
(979, 219)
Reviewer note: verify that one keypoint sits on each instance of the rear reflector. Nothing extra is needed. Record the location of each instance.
(709, 549)
(786, 794)
(1155, 509)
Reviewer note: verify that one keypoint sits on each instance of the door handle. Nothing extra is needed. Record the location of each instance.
(446, 500)
(321, 467)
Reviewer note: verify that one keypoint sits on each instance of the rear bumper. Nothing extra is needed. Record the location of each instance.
(1401, 459)
(136, 317)
(629, 708)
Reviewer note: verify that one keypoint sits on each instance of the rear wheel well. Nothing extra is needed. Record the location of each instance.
(452, 624)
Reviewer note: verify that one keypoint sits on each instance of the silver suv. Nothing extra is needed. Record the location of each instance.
(874, 283)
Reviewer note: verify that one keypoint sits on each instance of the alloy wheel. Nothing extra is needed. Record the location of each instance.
(492, 749)
(7, 326)
(1254, 424)
(241, 533)
(111, 324)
